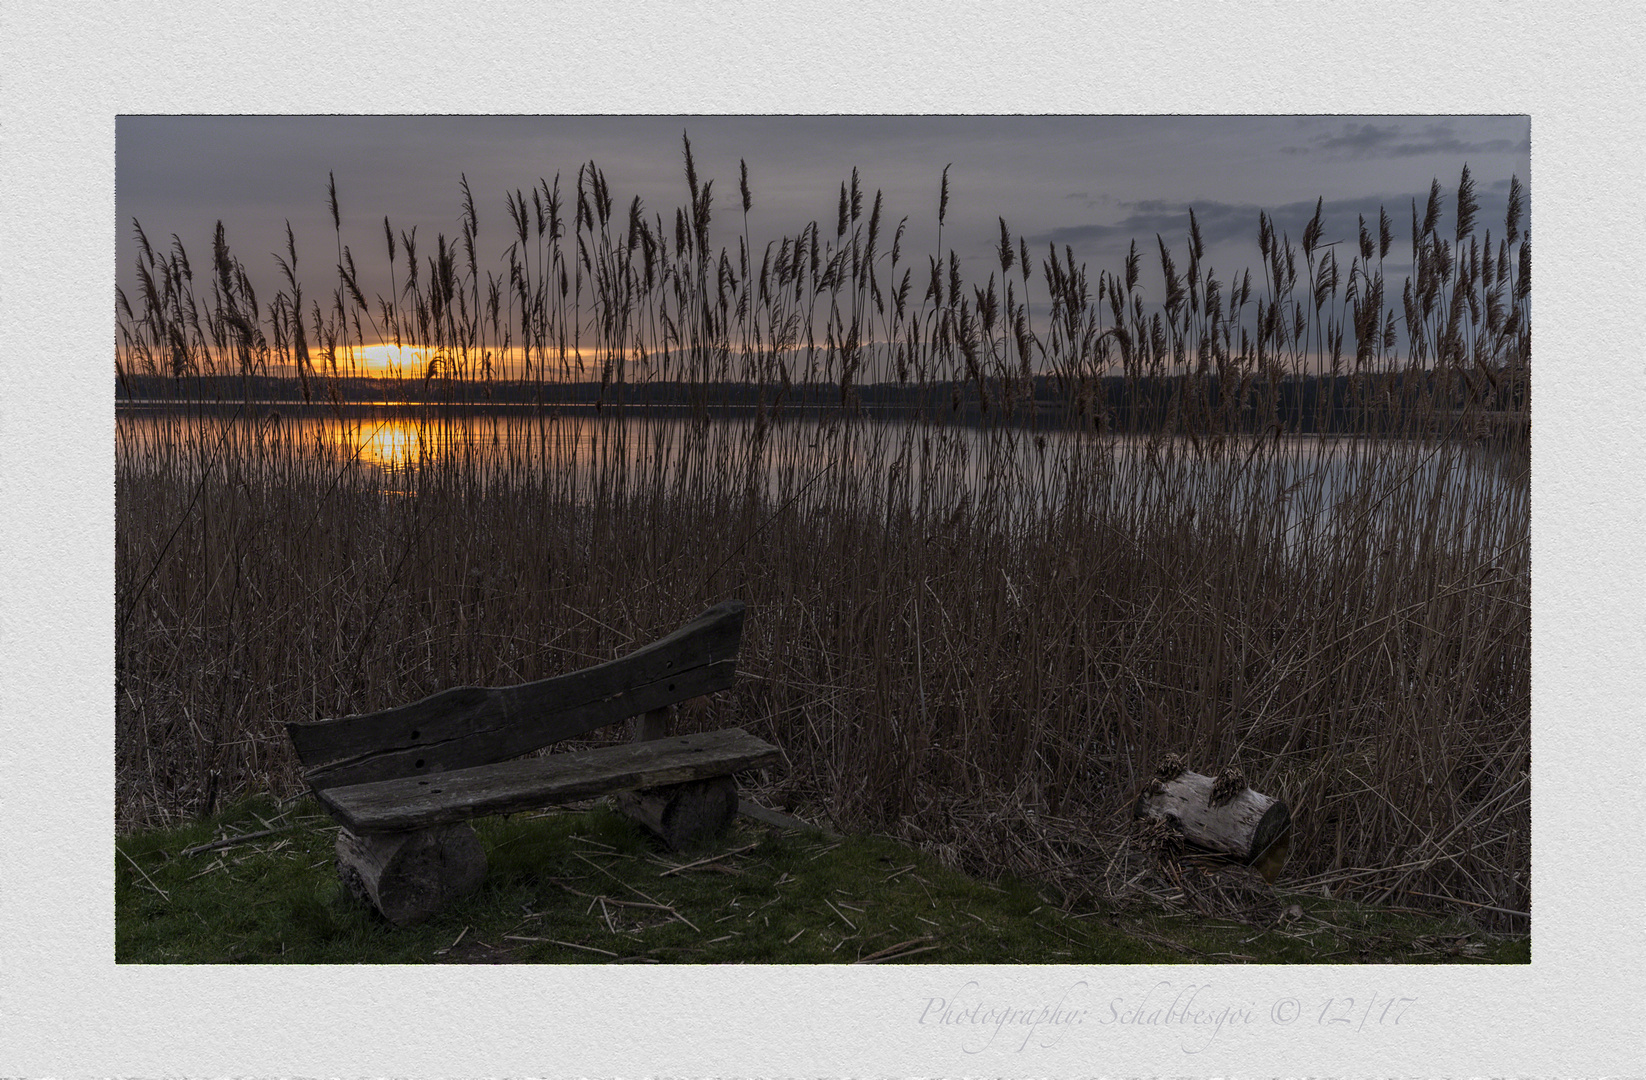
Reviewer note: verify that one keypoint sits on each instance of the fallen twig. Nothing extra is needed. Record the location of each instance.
(557, 941)
(824, 852)
(163, 894)
(637, 892)
(836, 910)
(610, 900)
(888, 952)
(453, 945)
(231, 841)
(710, 859)
(912, 952)
(1470, 903)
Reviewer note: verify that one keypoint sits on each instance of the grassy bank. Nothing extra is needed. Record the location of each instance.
(587, 887)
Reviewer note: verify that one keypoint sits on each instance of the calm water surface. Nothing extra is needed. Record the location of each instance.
(580, 455)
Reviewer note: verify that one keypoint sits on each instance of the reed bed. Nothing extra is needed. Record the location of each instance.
(1283, 528)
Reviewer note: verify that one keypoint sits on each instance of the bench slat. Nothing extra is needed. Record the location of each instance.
(444, 798)
(470, 726)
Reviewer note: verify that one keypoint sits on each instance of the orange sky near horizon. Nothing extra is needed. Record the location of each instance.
(387, 360)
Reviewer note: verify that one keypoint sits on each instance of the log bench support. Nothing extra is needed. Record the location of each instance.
(403, 783)
(680, 815)
(409, 876)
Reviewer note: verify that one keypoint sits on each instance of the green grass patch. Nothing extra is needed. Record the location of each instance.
(587, 886)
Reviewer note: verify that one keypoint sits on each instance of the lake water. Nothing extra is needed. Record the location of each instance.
(885, 460)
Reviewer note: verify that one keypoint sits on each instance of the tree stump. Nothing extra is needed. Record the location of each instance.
(682, 815)
(1228, 818)
(408, 876)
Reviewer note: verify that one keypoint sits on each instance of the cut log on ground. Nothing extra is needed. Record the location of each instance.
(1250, 826)
(408, 876)
(682, 815)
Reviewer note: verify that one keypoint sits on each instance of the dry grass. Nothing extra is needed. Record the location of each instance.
(976, 629)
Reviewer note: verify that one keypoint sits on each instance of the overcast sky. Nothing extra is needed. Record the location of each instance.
(1093, 183)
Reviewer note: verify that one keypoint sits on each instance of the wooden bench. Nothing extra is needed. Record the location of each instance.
(404, 782)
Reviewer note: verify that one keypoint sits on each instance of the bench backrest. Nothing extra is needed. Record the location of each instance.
(468, 726)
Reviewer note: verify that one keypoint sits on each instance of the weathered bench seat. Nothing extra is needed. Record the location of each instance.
(444, 798)
(402, 782)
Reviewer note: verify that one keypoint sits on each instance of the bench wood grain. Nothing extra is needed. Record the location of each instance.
(418, 803)
(469, 726)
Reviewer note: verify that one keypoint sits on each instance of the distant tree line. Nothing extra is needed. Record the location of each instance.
(1382, 404)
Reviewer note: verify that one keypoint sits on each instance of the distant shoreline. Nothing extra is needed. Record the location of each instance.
(1038, 413)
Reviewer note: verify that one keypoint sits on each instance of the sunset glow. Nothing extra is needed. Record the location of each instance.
(387, 360)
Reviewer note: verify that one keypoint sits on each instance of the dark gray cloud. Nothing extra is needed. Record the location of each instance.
(1230, 230)
(1359, 139)
(1229, 223)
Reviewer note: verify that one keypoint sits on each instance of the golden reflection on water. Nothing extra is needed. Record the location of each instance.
(390, 443)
